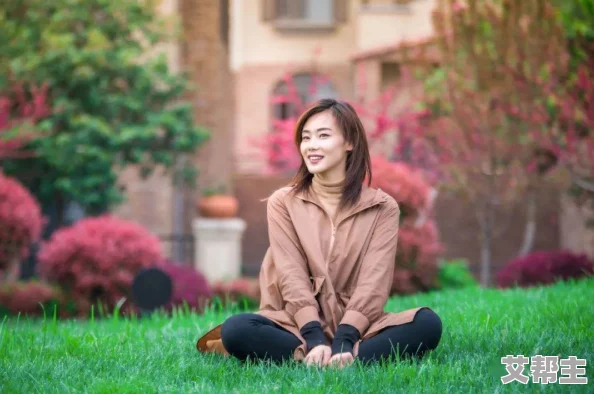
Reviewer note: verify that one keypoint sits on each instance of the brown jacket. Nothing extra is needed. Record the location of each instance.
(302, 280)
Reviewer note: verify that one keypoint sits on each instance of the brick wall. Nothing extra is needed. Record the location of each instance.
(149, 202)
(250, 189)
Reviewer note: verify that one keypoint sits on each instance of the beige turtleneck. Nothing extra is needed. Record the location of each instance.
(329, 194)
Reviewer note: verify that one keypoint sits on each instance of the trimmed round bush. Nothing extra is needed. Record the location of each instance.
(406, 185)
(544, 268)
(21, 221)
(96, 260)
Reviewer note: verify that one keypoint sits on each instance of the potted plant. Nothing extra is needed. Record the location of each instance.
(217, 203)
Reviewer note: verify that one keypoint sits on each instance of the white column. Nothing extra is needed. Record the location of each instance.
(218, 247)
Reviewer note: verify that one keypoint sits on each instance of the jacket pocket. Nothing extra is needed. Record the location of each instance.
(317, 282)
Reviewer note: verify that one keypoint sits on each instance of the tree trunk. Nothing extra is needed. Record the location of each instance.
(486, 224)
(485, 276)
(60, 209)
(13, 271)
(530, 229)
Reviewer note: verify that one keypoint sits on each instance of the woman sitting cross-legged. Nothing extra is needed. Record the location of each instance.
(327, 274)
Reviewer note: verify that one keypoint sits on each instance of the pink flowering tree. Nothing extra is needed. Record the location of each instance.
(492, 160)
(406, 168)
(395, 122)
(563, 119)
(494, 129)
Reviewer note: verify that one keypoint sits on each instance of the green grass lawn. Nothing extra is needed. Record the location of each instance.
(158, 354)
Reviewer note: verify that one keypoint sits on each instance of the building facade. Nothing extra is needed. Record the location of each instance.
(335, 38)
(238, 54)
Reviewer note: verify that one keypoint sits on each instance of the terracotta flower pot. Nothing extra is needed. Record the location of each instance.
(218, 206)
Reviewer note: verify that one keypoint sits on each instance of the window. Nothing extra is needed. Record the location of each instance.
(390, 73)
(312, 11)
(382, 6)
(308, 88)
(304, 13)
(289, 99)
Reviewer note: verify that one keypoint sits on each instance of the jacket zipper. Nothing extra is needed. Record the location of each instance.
(331, 249)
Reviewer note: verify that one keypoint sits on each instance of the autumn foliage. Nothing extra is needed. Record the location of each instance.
(544, 268)
(96, 259)
(418, 238)
(20, 108)
(21, 221)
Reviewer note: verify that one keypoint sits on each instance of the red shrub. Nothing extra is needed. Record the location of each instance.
(96, 259)
(418, 238)
(31, 298)
(543, 268)
(404, 183)
(189, 286)
(21, 221)
(417, 258)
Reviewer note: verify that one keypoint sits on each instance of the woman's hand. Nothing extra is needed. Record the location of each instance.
(341, 360)
(319, 355)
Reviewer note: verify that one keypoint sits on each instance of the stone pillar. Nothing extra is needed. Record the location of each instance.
(218, 247)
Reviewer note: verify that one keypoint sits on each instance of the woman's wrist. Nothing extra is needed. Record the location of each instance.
(313, 334)
(345, 339)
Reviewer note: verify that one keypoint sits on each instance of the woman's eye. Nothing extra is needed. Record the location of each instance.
(324, 135)
(304, 138)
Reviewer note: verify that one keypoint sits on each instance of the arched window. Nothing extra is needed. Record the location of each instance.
(292, 95)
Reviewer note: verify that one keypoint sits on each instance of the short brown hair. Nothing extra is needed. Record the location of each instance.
(358, 163)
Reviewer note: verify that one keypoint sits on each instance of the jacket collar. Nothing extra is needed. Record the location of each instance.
(369, 198)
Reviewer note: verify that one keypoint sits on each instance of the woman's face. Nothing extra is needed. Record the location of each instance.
(323, 147)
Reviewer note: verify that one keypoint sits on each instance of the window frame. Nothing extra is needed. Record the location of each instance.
(270, 13)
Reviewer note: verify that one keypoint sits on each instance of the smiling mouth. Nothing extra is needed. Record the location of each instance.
(315, 158)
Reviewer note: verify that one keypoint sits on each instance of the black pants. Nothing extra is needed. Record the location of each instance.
(249, 335)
